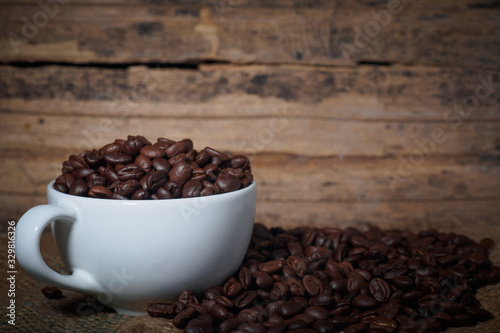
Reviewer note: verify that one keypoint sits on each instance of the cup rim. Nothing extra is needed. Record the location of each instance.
(220, 196)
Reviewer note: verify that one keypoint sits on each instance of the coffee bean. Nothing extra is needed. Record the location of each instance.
(364, 301)
(79, 188)
(118, 158)
(245, 299)
(271, 267)
(100, 192)
(380, 290)
(180, 173)
(161, 310)
(192, 189)
(152, 152)
(52, 292)
(227, 183)
(182, 319)
(180, 147)
(289, 309)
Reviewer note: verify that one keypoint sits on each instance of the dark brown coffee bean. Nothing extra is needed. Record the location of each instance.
(118, 158)
(79, 188)
(127, 188)
(384, 323)
(317, 312)
(232, 288)
(192, 189)
(212, 292)
(182, 319)
(144, 163)
(364, 301)
(161, 310)
(223, 301)
(250, 316)
(140, 194)
(271, 267)
(61, 187)
(219, 312)
(312, 285)
(130, 171)
(403, 282)
(198, 325)
(152, 152)
(263, 280)
(156, 179)
(245, 277)
(228, 325)
(174, 188)
(52, 292)
(227, 183)
(323, 326)
(289, 309)
(380, 290)
(245, 299)
(180, 173)
(251, 328)
(298, 265)
(161, 164)
(77, 162)
(179, 147)
(187, 297)
(100, 192)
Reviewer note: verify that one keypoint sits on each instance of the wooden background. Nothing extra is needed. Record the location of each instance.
(331, 118)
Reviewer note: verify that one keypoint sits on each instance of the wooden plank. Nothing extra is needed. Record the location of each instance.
(314, 179)
(447, 215)
(227, 6)
(364, 93)
(296, 135)
(320, 36)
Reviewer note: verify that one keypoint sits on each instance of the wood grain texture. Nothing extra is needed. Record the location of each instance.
(377, 93)
(300, 136)
(317, 35)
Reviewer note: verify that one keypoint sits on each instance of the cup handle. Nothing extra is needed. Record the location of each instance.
(27, 244)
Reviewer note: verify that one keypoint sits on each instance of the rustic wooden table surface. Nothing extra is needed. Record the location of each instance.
(351, 111)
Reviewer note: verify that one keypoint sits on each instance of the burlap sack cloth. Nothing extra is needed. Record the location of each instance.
(35, 313)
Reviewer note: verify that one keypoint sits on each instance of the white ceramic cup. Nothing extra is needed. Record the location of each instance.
(132, 252)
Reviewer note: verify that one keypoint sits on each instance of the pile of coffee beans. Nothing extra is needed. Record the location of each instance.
(137, 169)
(331, 279)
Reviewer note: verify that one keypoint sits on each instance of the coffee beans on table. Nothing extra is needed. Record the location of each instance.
(137, 169)
(331, 279)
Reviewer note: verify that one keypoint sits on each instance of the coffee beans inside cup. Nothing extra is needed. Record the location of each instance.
(137, 169)
(331, 279)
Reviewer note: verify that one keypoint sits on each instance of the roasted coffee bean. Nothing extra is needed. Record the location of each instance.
(181, 172)
(364, 301)
(161, 310)
(52, 292)
(156, 179)
(100, 192)
(182, 319)
(232, 288)
(245, 299)
(192, 189)
(290, 308)
(380, 290)
(323, 326)
(271, 267)
(227, 183)
(245, 277)
(61, 187)
(152, 152)
(79, 188)
(180, 147)
(298, 265)
(263, 280)
(219, 312)
(228, 325)
(312, 285)
(140, 194)
(118, 158)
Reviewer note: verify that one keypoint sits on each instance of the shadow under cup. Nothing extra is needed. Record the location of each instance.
(131, 252)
